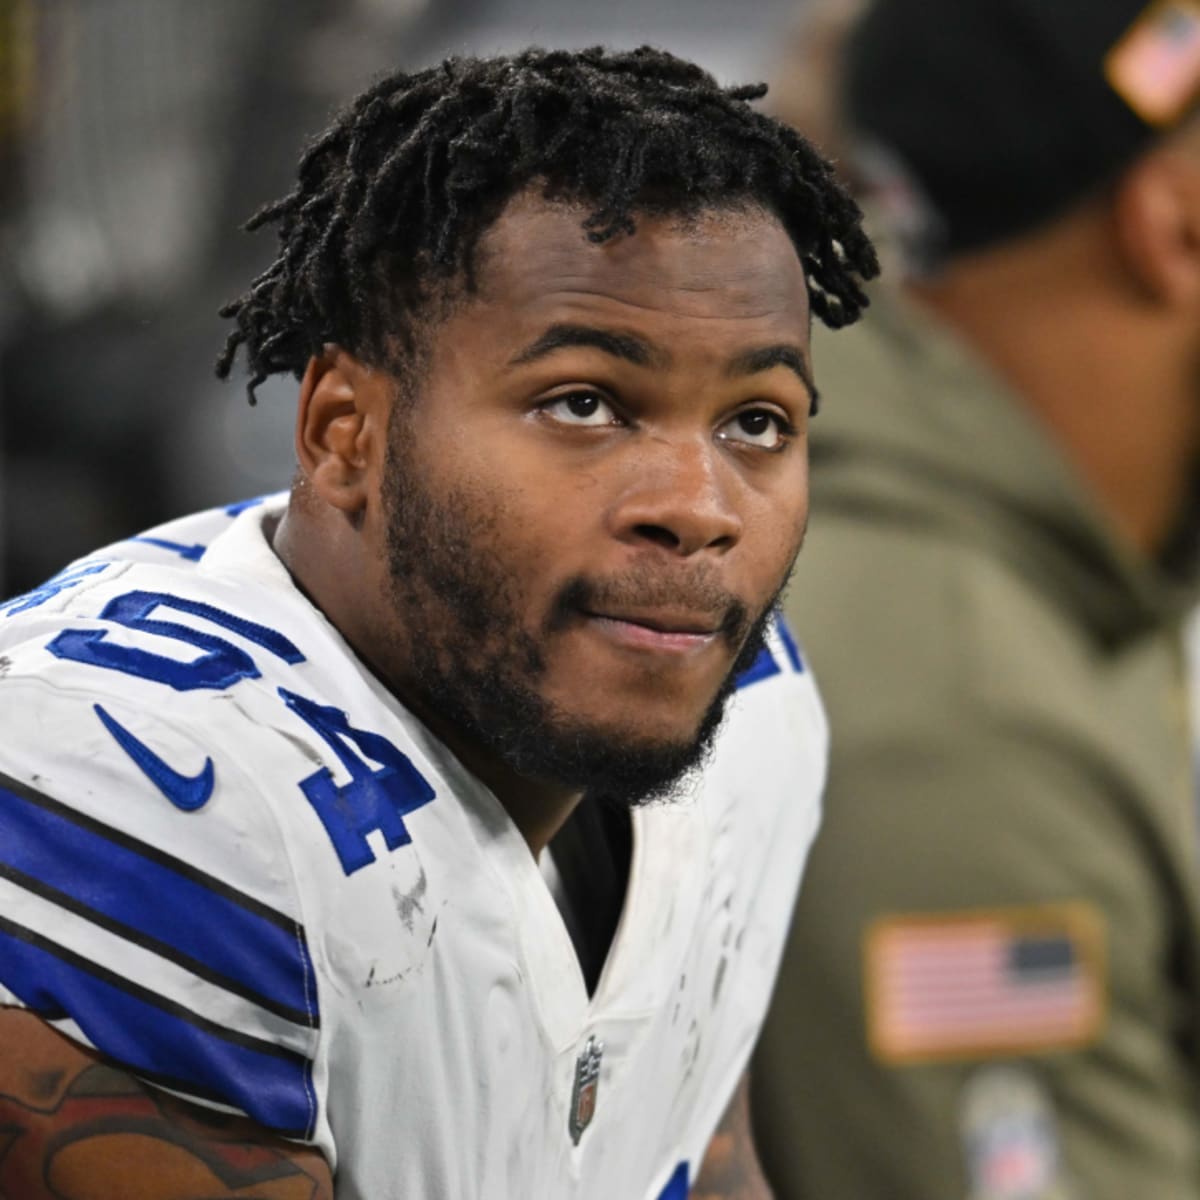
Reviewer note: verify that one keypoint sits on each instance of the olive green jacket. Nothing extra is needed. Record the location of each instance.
(994, 977)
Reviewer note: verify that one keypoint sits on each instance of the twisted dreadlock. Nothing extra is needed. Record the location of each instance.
(392, 198)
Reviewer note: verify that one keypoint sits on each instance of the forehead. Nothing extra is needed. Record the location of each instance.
(725, 265)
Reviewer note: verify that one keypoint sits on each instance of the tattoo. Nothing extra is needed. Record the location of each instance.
(731, 1170)
(72, 1128)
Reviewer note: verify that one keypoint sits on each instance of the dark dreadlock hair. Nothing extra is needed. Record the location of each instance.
(394, 196)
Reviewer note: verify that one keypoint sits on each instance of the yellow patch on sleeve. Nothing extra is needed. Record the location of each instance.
(984, 983)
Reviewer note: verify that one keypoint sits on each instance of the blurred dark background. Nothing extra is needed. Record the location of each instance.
(135, 137)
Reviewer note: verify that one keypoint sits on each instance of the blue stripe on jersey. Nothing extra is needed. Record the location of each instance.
(67, 578)
(240, 506)
(789, 645)
(763, 667)
(766, 665)
(677, 1185)
(158, 901)
(192, 553)
(148, 1034)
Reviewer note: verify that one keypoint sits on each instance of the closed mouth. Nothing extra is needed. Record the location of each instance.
(679, 623)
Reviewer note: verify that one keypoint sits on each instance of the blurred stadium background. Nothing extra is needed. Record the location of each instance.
(135, 136)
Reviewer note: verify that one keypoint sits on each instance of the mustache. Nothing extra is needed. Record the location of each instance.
(650, 588)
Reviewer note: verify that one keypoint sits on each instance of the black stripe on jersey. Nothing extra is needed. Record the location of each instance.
(144, 994)
(310, 1020)
(178, 865)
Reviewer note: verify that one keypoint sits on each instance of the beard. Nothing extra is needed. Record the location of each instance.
(471, 660)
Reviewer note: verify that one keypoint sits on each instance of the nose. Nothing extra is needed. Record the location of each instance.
(680, 496)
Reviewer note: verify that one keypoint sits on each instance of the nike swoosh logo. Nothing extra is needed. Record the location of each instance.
(188, 792)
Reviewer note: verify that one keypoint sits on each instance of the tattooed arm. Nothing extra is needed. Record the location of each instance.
(731, 1170)
(72, 1128)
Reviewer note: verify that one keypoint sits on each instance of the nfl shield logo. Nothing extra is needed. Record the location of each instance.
(583, 1095)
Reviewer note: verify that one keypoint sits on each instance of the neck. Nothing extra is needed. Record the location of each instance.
(322, 551)
(1107, 373)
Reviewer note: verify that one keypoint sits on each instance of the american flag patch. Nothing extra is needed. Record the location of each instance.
(1155, 67)
(985, 982)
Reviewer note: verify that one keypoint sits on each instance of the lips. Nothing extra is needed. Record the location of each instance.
(645, 610)
(704, 625)
(666, 633)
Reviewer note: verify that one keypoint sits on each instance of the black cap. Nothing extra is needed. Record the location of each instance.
(991, 117)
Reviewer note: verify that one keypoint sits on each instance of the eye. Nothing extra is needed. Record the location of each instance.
(758, 427)
(584, 408)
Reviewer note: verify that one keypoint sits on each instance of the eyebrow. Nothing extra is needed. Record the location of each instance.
(782, 355)
(643, 353)
(628, 346)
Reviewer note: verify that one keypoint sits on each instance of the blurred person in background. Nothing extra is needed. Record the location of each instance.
(806, 86)
(992, 988)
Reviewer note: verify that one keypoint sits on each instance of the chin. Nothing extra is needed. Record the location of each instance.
(648, 707)
(645, 738)
(640, 762)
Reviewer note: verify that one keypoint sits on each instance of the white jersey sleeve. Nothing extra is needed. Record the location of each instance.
(147, 902)
(141, 914)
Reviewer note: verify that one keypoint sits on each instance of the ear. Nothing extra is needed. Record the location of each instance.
(1157, 214)
(341, 423)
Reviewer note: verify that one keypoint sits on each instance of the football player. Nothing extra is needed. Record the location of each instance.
(328, 862)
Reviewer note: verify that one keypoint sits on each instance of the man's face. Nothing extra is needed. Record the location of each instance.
(597, 491)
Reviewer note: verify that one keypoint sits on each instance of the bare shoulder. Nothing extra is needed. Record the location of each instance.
(73, 1128)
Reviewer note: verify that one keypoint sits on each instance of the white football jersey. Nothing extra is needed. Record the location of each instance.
(235, 865)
